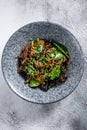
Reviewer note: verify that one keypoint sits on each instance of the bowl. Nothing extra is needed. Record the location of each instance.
(49, 31)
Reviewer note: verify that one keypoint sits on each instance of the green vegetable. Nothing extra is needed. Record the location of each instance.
(47, 58)
(56, 51)
(30, 67)
(51, 64)
(27, 81)
(40, 48)
(31, 62)
(34, 83)
(55, 73)
(44, 59)
(30, 70)
(41, 62)
(45, 75)
(23, 61)
(31, 39)
(32, 44)
(59, 56)
(62, 50)
(51, 55)
(37, 53)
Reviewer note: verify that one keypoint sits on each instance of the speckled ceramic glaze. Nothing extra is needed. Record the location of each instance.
(49, 31)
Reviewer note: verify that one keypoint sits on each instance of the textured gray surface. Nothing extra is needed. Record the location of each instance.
(49, 31)
(70, 113)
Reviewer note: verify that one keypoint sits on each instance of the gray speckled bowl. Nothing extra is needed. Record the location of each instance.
(47, 31)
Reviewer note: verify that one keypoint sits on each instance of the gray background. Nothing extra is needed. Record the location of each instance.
(71, 112)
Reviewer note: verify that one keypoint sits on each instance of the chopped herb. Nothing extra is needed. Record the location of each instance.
(40, 48)
(34, 83)
(51, 55)
(55, 73)
(62, 50)
(59, 56)
(31, 39)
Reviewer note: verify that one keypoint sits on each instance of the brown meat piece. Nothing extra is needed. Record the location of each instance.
(42, 42)
(39, 64)
(62, 78)
(20, 69)
(32, 52)
(26, 48)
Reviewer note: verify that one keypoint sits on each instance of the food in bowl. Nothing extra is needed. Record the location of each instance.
(43, 63)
